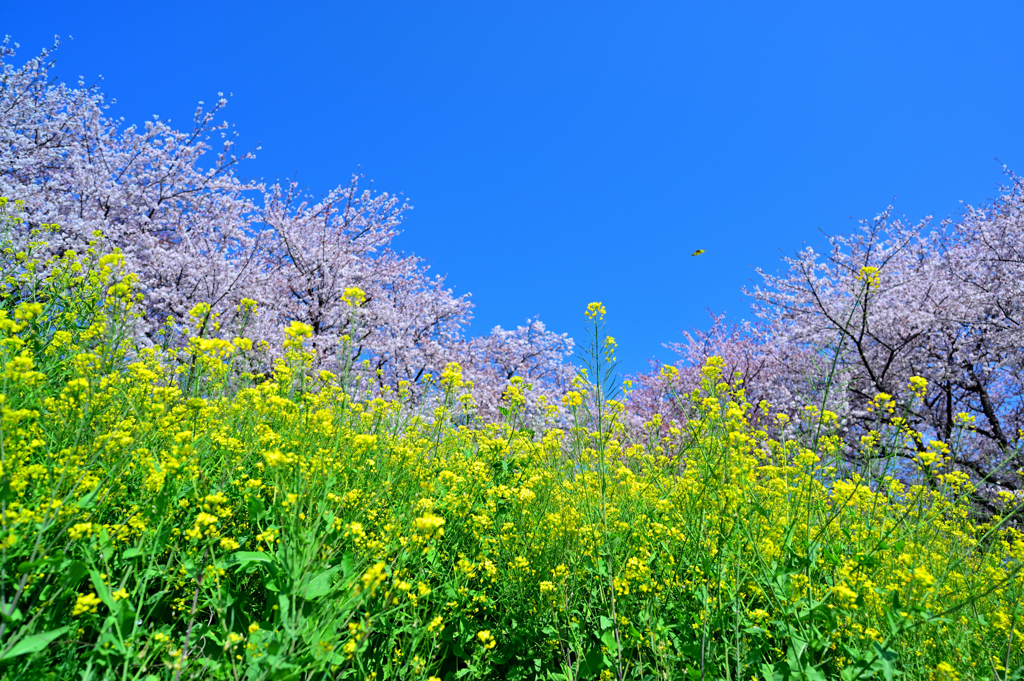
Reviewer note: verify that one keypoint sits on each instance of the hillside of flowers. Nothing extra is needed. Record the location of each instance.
(196, 233)
(173, 511)
(946, 306)
(243, 438)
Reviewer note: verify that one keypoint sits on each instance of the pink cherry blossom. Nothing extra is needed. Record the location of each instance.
(890, 302)
(196, 233)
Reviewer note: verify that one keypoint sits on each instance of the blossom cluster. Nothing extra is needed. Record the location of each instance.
(929, 315)
(195, 233)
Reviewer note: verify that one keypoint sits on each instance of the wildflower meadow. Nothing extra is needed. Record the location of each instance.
(168, 513)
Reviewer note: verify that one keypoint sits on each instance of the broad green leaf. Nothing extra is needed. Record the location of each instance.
(102, 590)
(321, 584)
(33, 644)
(10, 614)
(608, 639)
(72, 573)
(256, 509)
(593, 662)
(89, 500)
(246, 558)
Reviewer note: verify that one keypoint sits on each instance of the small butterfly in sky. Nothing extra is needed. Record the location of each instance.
(698, 251)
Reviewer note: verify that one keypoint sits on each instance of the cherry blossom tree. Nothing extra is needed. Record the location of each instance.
(530, 351)
(764, 369)
(186, 230)
(407, 323)
(889, 305)
(197, 233)
(942, 304)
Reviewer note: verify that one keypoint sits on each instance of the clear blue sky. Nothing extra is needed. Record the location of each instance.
(558, 153)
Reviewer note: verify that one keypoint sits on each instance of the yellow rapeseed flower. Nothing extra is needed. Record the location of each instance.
(486, 639)
(85, 603)
(451, 377)
(229, 544)
(373, 578)
(353, 296)
(430, 525)
(870, 276)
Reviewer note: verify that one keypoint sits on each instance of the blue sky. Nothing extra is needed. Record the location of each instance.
(558, 153)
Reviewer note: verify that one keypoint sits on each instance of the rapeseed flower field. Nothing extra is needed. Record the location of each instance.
(168, 513)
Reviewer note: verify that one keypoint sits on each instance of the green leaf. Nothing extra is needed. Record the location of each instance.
(33, 644)
(10, 614)
(605, 622)
(321, 584)
(256, 509)
(72, 573)
(244, 559)
(101, 588)
(106, 546)
(348, 563)
(592, 663)
(887, 656)
(762, 511)
(159, 507)
(89, 500)
(162, 540)
(49, 564)
(814, 674)
(133, 552)
(189, 566)
(155, 597)
(30, 566)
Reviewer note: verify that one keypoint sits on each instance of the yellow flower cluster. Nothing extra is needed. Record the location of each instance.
(353, 296)
(870, 276)
(595, 311)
